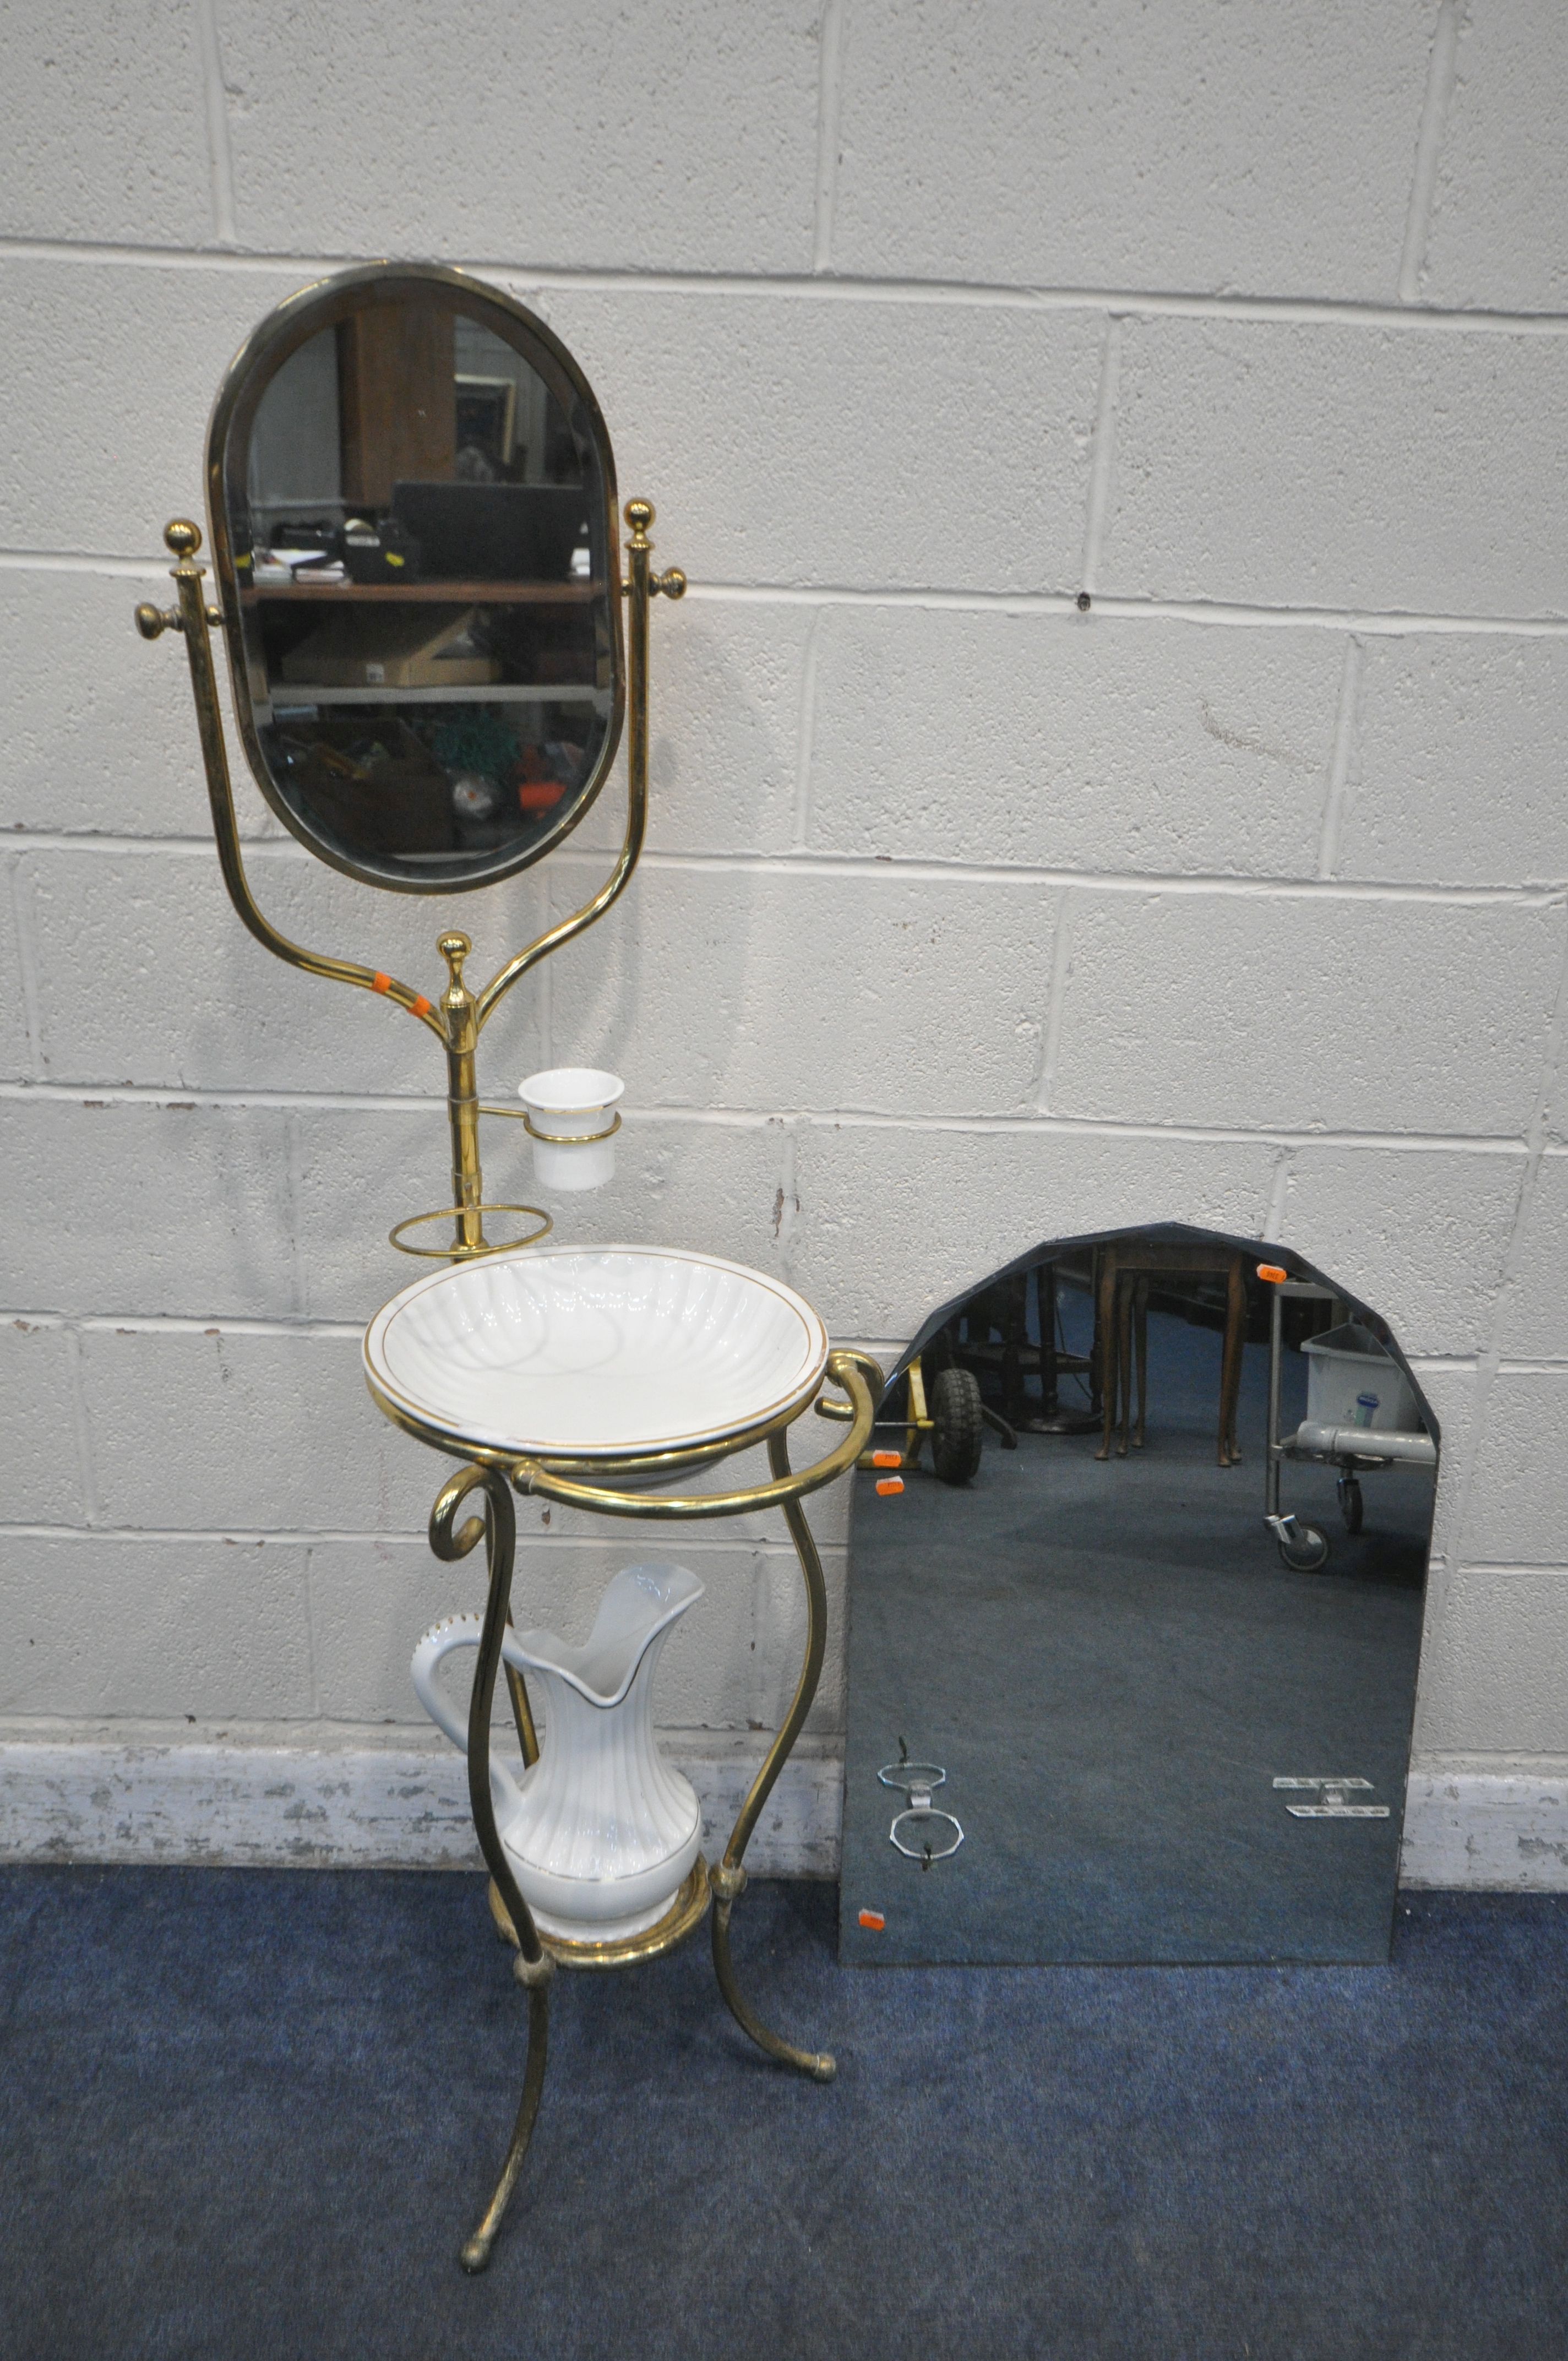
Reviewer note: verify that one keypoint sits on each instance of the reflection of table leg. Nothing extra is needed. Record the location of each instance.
(729, 1879)
(533, 1965)
(1106, 1342)
(1231, 1364)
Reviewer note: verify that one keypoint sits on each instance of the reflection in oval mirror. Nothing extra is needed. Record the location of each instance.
(413, 508)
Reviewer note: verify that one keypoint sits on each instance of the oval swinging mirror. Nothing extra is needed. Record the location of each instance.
(413, 498)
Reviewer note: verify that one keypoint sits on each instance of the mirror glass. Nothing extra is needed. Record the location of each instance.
(413, 501)
(1169, 1730)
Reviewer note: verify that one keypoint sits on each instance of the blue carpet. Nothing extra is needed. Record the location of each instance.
(254, 2112)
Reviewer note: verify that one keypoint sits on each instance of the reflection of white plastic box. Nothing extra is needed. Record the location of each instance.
(1350, 1361)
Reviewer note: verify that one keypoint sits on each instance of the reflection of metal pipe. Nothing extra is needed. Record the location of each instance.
(1366, 1442)
(1272, 1453)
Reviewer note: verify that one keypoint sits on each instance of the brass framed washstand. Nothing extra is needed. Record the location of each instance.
(412, 503)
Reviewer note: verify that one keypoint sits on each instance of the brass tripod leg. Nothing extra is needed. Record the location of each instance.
(534, 1966)
(729, 1879)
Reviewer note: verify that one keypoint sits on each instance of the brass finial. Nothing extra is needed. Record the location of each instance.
(639, 516)
(182, 539)
(454, 949)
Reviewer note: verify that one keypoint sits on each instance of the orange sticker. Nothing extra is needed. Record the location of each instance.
(888, 1484)
(1272, 1273)
(420, 1007)
(380, 982)
(887, 1458)
(873, 1920)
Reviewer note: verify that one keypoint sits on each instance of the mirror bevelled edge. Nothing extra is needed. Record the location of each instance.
(325, 305)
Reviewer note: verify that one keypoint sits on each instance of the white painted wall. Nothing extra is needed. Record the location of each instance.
(968, 917)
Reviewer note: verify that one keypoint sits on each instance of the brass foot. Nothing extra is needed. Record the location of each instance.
(535, 1976)
(818, 2063)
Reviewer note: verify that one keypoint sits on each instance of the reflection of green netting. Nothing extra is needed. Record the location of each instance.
(481, 742)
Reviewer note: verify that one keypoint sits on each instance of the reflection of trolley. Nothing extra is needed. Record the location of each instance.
(955, 1420)
(1361, 1416)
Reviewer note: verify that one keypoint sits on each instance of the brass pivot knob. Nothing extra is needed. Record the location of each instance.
(153, 622)
(182, 539)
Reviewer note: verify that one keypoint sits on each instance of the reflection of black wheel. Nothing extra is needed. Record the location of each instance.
(1350, 1503)
(957, 1424)
(1307, 1552)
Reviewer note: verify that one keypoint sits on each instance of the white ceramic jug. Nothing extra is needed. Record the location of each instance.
(601, 1832)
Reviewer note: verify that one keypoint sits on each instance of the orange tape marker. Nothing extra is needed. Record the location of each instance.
(873, 1920)
(381, 983)
(420, 1007)
(889, 1484)
(887, 1458)
(1272, 1273)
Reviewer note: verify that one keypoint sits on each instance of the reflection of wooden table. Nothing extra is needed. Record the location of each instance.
(1126, 1269)
(990, 1335)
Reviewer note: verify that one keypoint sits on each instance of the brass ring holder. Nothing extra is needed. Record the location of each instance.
(555, 1138)
(571, 1138)
(685, 1913)
(455, 1250)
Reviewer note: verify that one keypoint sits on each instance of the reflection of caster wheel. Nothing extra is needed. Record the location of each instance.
(1303, 1548)
(1350, 1503)
(958, 1423)
(1305, 1551)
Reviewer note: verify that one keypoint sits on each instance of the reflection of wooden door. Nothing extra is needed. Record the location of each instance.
(397, 375)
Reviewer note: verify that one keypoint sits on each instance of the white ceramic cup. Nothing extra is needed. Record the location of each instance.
(563, 1105)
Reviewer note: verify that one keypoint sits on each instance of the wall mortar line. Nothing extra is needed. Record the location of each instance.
(1132, 303)
(829, 83)
(1103, 460)
(27, 966)
(82, 1430)
(805, 733)
(220, 156)
(1429, 148)
(1050, 1044)
(1343, 761)
(894, 868)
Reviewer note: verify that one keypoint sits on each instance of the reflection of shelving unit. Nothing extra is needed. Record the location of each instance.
(430, 594)
(296, 695)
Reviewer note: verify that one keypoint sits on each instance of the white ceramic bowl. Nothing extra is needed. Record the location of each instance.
(594, 1353)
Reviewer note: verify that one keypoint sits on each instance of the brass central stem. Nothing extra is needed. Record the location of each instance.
(460, 1024)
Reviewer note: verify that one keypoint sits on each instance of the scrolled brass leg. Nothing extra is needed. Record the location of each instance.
(729, 1878)
(533, 1965)
(476, 2251)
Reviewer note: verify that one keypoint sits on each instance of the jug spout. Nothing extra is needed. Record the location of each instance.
(639, 1607)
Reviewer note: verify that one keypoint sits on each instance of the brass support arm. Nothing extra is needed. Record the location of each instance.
(850, 1370)
(192, 618)
(641, 585)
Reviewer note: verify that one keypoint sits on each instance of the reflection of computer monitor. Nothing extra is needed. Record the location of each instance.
(493, 533)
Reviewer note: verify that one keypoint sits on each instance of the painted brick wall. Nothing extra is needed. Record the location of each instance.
(968, 916)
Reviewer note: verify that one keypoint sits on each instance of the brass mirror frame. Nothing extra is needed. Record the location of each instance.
(458, 1016)
(326, 304)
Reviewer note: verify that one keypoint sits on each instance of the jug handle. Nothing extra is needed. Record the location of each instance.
(462, 1631)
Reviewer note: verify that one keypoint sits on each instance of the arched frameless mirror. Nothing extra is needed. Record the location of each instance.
(1097, 1623)
(413, 502)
